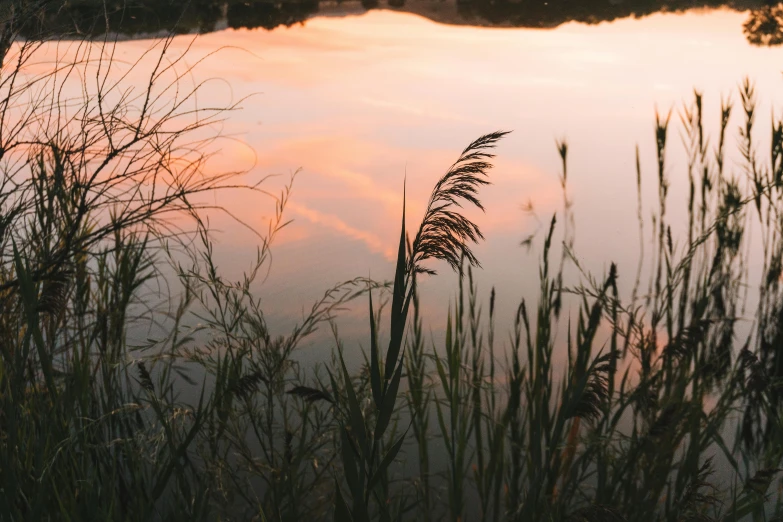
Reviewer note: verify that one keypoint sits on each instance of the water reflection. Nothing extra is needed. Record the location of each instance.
(144, 17)
(765, 26)
(359, 108)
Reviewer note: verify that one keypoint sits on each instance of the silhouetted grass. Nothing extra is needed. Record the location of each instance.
(662, 410)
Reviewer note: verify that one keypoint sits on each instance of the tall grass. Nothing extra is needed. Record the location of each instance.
(663, 409)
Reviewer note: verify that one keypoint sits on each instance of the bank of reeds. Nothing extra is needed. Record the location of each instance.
(664, 409)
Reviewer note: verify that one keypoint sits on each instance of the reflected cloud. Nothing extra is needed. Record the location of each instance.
(373, 242)
(360, 109)
(338, 166)
(421, 112)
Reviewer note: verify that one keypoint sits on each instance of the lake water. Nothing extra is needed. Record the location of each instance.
(365, 103)
(361, 102)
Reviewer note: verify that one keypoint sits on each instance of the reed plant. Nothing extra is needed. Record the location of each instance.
(91, 428)
(632, 426)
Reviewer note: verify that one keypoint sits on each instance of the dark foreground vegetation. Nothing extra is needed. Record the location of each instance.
(664, 409)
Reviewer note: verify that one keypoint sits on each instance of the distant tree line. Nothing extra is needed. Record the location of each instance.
(135, 17)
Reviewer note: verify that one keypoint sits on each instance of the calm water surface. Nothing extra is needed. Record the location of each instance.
(359, 104)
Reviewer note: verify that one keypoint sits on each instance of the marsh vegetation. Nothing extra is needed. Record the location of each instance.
(666, 405)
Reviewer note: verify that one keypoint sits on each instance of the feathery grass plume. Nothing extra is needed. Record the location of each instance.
(590, 380)
(444, 233)
(747, 147)
(699, 493)
(667, 422)
(310, 394)
(596, 391)
(144, 378)
(596, 513)
(760, 481)
(246, 385)
(54, 292)
(686, 341)
(757, 378)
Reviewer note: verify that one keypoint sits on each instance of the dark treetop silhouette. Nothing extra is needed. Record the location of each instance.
(148, 17)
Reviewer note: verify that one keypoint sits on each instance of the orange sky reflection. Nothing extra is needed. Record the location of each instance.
(361, 103)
